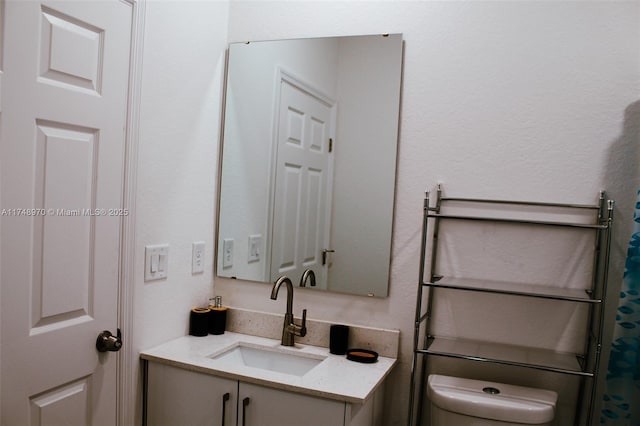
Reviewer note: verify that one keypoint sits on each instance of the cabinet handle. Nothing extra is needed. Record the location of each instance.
(245, 402)
(225, 398)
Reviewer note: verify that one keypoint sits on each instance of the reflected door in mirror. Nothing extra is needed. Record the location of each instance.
(303, 183)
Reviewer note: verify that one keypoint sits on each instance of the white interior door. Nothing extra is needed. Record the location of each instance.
(303, 184)
(62, 141)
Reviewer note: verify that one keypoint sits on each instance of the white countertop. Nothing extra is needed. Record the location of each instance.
(334, 378)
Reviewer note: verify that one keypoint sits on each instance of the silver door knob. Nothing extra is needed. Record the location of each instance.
(107, 342)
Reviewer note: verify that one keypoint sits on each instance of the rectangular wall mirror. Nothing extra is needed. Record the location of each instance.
(309, 161)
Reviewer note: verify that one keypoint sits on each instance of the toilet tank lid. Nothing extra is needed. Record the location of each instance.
(515, 404)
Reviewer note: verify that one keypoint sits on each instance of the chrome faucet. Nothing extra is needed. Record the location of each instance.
(290, 329)
(308, 273)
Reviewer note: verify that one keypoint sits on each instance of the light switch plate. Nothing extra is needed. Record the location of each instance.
(156, 262)
(227, 253)
(255, 246)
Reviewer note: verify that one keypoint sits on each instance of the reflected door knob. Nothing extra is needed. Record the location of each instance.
(324, 255)
(107, 342)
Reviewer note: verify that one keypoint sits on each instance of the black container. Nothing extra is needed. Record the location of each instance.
(217, 320)
(199, 322)
(338, 339)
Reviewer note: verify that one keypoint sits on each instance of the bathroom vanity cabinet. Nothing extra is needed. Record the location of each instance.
(246, 380)
(178, 396)
(581, 233)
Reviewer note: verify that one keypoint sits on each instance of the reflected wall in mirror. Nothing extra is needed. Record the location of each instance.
(309, 160)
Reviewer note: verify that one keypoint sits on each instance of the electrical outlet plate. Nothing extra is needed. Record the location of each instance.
(197, 257)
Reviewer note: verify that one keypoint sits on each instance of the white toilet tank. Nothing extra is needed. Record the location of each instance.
(466, 402)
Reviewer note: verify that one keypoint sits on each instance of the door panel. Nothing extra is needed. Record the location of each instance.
(303, 184)
(63, 281)
(71, 52)
(268, 407)
(62, 141)
(65, 405)
(178, 397)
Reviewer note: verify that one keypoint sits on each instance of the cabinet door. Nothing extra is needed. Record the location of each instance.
(181, 397)
(269, 407)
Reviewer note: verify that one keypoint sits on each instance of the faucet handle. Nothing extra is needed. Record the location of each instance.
(303, 326)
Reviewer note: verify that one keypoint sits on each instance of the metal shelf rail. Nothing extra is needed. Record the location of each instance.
(599, 218)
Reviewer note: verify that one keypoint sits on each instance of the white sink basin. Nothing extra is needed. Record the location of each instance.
(271, 359)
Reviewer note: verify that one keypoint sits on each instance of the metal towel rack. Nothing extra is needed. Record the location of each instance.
(597, 219)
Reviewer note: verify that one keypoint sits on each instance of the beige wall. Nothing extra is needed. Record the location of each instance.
(522, 100)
